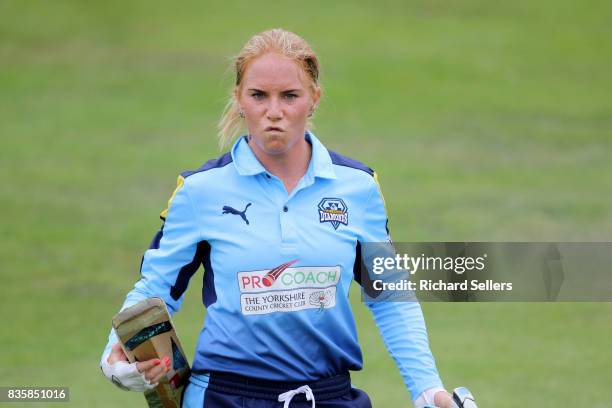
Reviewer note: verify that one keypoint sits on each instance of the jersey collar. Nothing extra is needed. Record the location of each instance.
(246, 162)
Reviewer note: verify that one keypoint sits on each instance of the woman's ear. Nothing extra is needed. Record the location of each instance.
(237, 99)
(316, 97)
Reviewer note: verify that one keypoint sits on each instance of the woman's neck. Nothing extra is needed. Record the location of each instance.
(290, 166)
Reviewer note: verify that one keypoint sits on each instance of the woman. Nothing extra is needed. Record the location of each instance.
(277, 223)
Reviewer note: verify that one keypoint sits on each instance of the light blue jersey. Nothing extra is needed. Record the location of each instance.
(278, 268)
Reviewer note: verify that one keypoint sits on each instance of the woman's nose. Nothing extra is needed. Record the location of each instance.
(274, 111)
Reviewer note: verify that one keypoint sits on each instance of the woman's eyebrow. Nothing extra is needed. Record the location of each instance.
(264, 92)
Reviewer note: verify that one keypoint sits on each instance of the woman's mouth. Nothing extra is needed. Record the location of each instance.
(273, 129)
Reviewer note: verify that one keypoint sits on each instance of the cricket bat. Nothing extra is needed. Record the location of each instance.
(145, 331)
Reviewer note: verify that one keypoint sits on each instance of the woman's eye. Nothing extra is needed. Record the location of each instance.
(290, 96)
(257, 95)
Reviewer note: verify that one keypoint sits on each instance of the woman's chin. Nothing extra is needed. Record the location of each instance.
(276, 149)
(275, 145)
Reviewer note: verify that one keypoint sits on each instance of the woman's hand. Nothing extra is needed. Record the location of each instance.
(443, 399)
(139, 376)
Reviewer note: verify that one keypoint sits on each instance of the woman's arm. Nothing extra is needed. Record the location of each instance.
(174, 255)
(404, 333)
(401, 323)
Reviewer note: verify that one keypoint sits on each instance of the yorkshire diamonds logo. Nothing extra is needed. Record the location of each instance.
(333, 210)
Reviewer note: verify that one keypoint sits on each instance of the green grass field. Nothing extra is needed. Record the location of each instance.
(486, 121)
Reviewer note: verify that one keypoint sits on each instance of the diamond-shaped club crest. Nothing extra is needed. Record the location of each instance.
(334, 211)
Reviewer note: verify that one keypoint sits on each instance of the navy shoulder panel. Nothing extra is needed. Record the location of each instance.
(211, 164)
(341, 160)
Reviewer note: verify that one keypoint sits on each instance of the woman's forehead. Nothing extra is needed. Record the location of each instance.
(273, 71)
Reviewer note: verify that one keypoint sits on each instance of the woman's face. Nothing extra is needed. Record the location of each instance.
(276, 100)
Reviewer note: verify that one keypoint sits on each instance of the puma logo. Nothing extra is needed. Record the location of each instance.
(230, 210)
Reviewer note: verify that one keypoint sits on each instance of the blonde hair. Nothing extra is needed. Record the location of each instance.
(276, 40)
